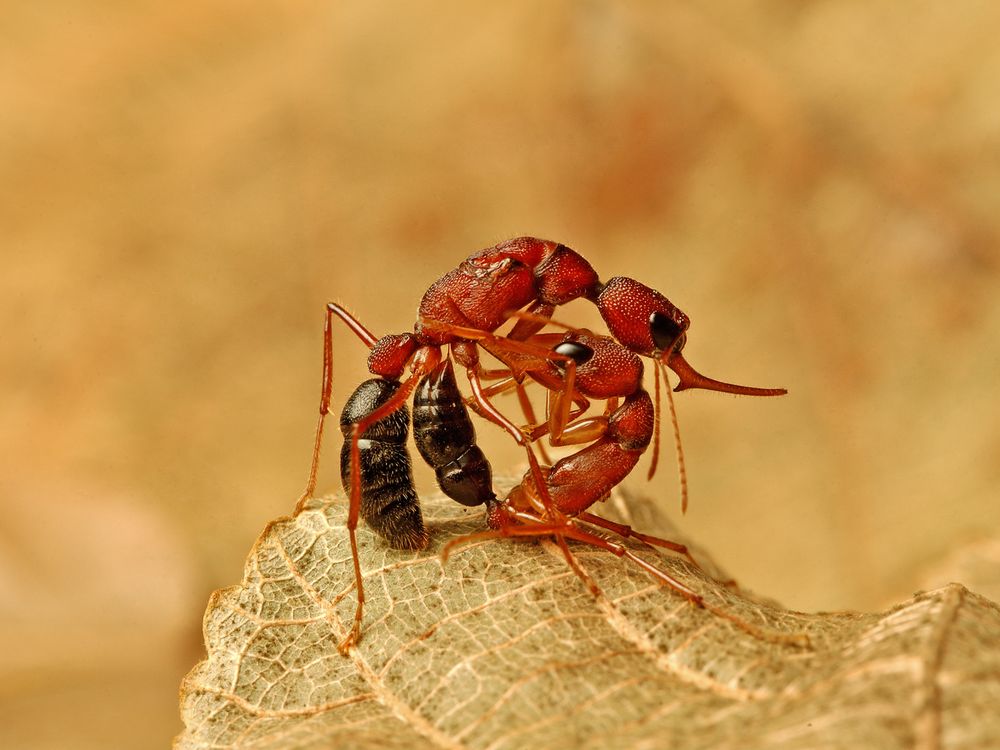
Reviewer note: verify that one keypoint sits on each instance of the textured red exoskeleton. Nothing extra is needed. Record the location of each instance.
(528, 278)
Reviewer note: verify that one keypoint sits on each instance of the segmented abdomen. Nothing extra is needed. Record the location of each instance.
(446, 438)
(389, 502)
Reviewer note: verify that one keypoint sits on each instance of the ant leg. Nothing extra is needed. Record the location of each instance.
(502, 385)
(627, 532)
(500, 373)
(533, 527)
(529, 414)
(596, 541)
(531, 317)
(519, 531)
(355, 633)
(394, 403)
(535, 357)
(535, 428)
(509, 383)
(543, 429)
(565, 426)
(561, 398)
(369, 340)
(366, 336)
(531, 321)
(324, 409)
(491, 412)
(762, 633)
(519, 356)
(359, 330)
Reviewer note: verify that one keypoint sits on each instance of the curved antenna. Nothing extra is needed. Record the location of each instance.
(326, 389)
(682, 476)
(691, 378)
(656, 425)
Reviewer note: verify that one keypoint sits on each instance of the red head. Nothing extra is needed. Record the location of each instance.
(646, 322)
(604, 368)
(389, 355)
(641, 318)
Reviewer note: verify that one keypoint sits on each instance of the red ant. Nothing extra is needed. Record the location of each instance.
(607, 371)
(375, 466)
(604, 370)
(466, 306)
(445, 437)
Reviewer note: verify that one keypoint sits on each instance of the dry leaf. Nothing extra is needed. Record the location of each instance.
(504, 647)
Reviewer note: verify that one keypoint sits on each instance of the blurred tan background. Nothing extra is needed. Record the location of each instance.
(185, 185)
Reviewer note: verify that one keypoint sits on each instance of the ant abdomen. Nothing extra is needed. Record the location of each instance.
(446, 438)
(389, 502)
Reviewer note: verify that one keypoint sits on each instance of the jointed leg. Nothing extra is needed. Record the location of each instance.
(355, 633)
(395, 402)
(532, 526)
(529, 414)
(369, 340)
(627, 532)
(491, 412)
(505, 383)
(540, 314)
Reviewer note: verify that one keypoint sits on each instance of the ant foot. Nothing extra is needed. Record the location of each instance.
(350, 641)
(303, 500)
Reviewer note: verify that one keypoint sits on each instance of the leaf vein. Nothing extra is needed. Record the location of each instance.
(385, 695)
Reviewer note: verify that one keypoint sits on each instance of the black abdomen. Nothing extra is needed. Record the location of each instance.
(389, 502)
(446, 438)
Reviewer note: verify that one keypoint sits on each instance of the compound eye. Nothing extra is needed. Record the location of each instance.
(576, 351)
(666, 333)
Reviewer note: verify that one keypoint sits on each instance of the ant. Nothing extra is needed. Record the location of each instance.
(445, 437)
(463, 309)
(616, 440)
(604, 370)
(374, 463)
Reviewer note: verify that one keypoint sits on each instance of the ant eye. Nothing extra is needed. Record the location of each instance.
(576, 351)
(666, 332)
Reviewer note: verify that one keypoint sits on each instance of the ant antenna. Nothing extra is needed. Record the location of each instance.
(681, 468)
(656, 425)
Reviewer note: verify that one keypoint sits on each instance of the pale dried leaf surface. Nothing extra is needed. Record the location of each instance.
(504, 647)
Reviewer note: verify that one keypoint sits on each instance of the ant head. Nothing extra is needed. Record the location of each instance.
(642, 319)
(646, 322)
(390, 354)
(604, 368)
